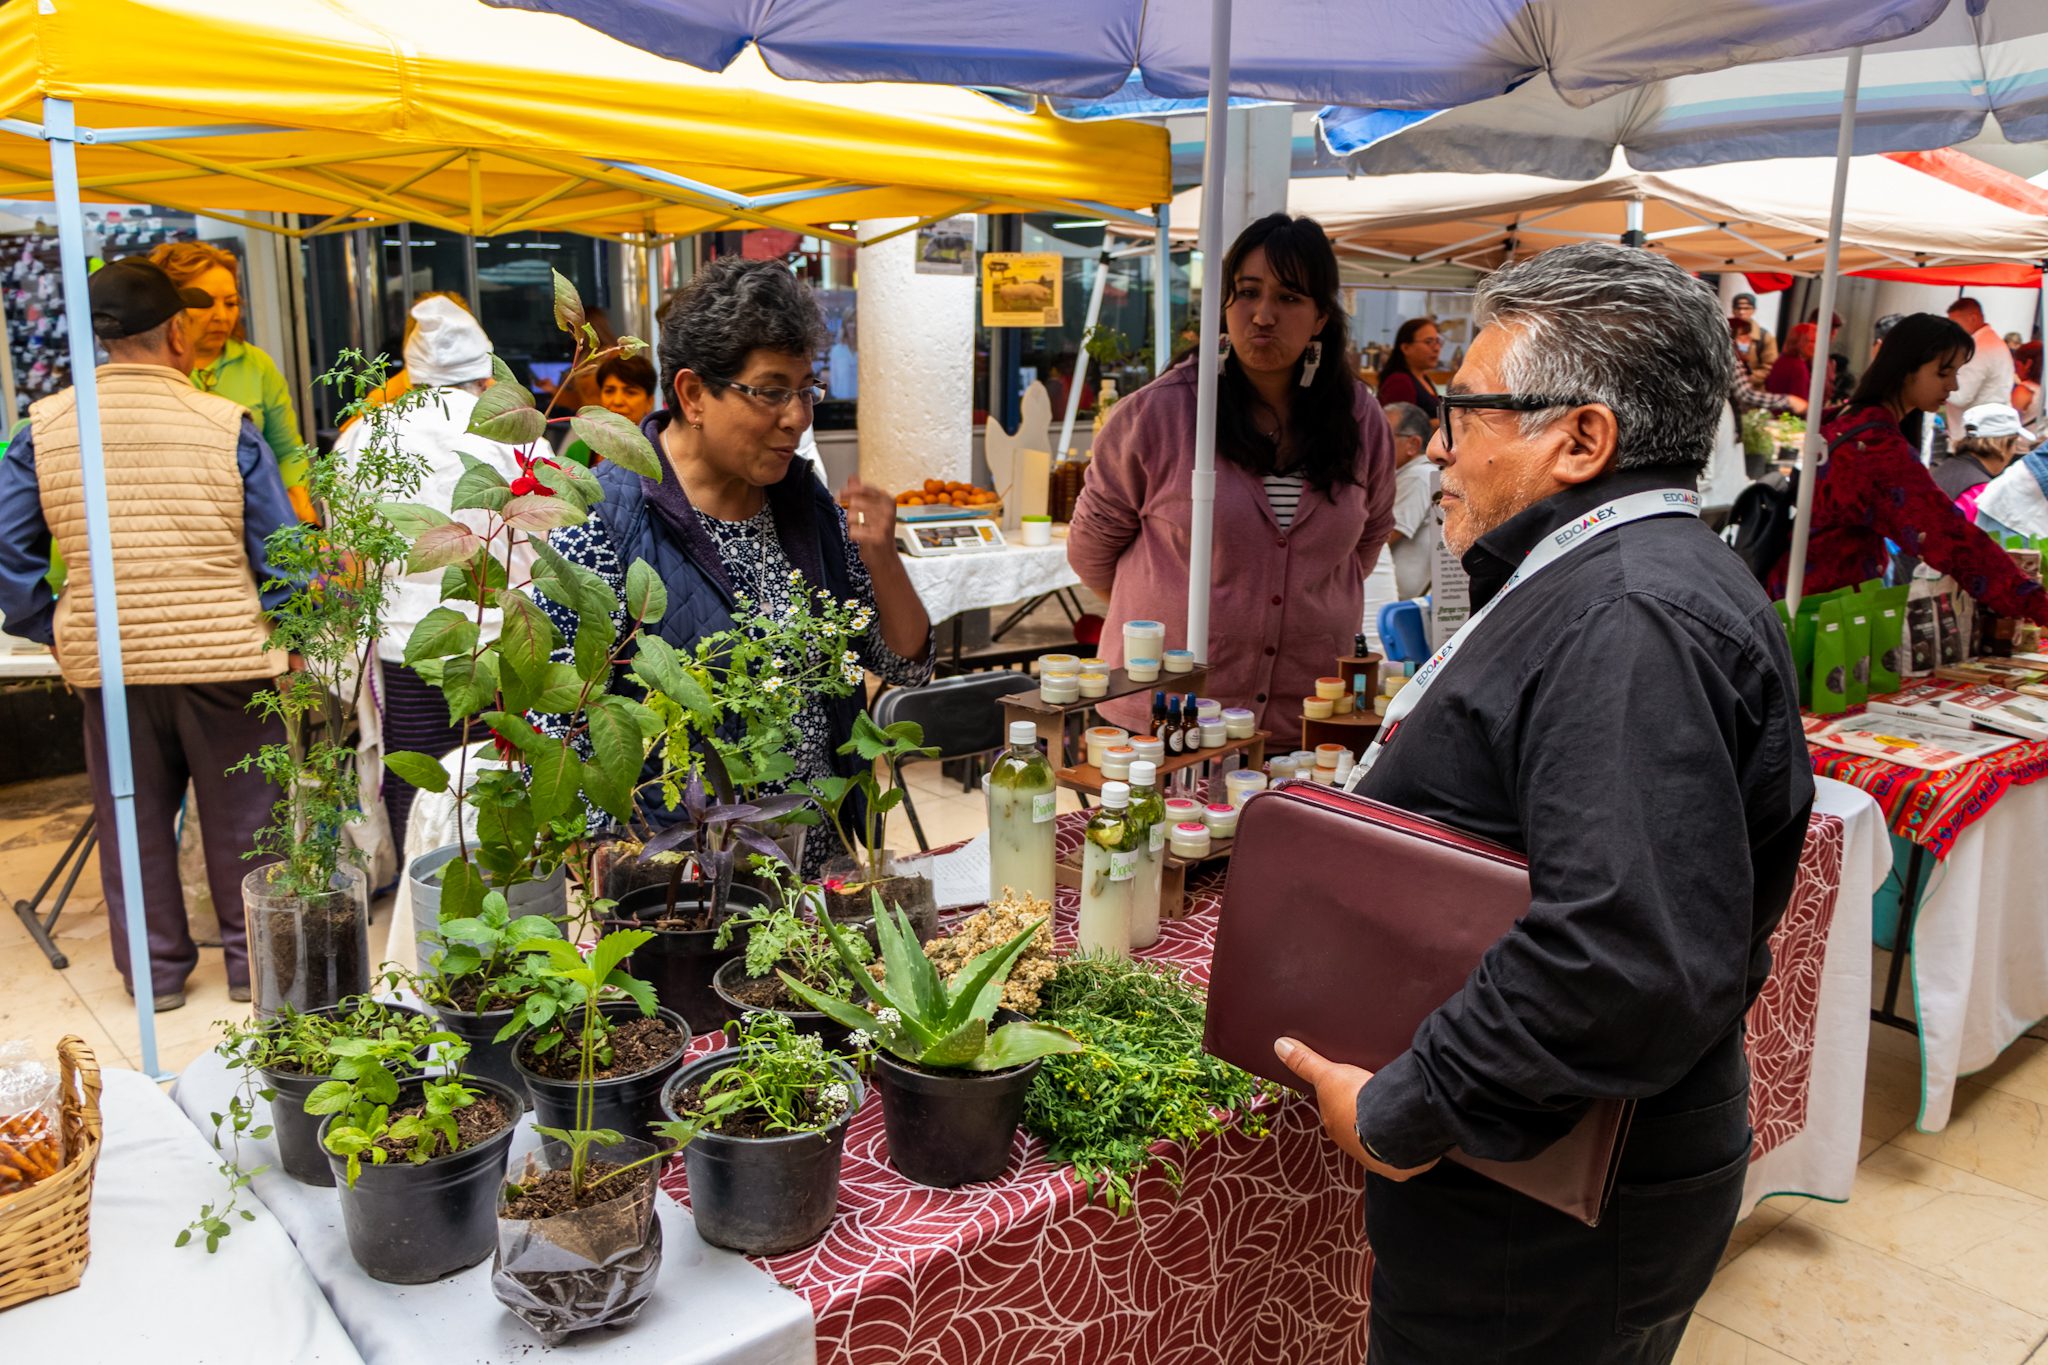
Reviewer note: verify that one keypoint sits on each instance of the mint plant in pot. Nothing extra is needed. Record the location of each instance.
(479, 973)
(952, 1088)
(762, 1125)
(419, 1159)
(308, 909)
(578, 1241)
(786, 938)
(637, 1044)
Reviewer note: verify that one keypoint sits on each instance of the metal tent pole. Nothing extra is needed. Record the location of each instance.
(1201, 526)
(1081, 360)
(60, 128)
(1162, 291)
(1816, 392)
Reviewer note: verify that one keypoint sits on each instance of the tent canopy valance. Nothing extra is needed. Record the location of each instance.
(1904, 215)
(483, 120)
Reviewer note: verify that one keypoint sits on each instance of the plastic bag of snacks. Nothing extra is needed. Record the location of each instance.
(31, 1142)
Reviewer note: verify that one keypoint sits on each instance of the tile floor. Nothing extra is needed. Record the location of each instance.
(1941, 1255)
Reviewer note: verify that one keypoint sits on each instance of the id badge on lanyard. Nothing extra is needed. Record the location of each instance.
(1657, 502)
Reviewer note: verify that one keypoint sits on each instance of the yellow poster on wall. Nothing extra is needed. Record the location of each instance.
(1020, 288)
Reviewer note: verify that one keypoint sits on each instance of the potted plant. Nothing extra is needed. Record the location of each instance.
(785, 939)
(308, 911)
(533, 802)
(616, 1082)
(419, 1160)
(578, 1243)
(952, 1088)
(867, 868)
(762, 1125)
(478, 974)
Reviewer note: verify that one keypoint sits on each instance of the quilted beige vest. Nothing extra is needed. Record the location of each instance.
(189, 612)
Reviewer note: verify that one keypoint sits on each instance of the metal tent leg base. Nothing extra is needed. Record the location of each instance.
(1902, 944)
(40, 925)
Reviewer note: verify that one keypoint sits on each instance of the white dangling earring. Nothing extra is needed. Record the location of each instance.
(1315, 359)
(1223, 347)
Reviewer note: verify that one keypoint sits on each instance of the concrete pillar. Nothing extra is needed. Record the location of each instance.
(916, 365)
(1260, 157)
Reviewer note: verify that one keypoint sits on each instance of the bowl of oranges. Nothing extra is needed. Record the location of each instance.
(939, 500)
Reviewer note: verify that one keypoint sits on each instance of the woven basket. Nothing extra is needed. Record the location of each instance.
(44, 1233)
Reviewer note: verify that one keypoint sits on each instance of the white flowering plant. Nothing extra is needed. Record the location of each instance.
(779, 1081)
(930, 1021)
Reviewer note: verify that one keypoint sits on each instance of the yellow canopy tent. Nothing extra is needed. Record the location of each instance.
(481, 120)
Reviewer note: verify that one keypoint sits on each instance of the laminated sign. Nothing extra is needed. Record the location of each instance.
(1021, 288)
(947, 246)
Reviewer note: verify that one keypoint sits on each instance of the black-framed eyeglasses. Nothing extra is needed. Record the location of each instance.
(1498, 402)
(777, 397)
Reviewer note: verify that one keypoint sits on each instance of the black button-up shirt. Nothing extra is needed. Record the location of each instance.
(1628, 718)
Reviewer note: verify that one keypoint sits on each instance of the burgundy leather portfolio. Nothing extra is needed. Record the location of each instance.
(1344, 924)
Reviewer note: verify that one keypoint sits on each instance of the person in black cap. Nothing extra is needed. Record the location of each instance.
(192, 494)
(1756, 350)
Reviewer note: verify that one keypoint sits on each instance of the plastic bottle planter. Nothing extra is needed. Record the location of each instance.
(626, 1104)
(679, 963)
(307, 951)
(590, 1267)
(765, 1195)
(296, 1132)
(549, 897)
(950, 1128)
(412, 1224)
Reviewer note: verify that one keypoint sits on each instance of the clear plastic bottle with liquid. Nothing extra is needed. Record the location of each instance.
(1022, 804)
(1148, 808)
(1110, 858)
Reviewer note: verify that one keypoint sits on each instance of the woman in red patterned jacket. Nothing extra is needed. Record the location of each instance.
(1873, 488)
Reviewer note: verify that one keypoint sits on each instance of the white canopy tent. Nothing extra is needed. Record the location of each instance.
(1747, 216)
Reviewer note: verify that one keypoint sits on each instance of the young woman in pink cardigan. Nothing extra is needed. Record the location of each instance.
(1304, 488)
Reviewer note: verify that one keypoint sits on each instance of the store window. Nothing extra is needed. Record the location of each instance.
(829, 267)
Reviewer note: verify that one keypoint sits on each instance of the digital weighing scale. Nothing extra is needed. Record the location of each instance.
(967, 535)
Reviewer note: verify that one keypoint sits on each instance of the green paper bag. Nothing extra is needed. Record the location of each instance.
(1830, 683)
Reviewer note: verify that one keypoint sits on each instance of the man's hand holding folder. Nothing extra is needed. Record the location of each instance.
(1337, 1086)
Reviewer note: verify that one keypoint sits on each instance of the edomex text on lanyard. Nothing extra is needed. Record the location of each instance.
(1658, 502)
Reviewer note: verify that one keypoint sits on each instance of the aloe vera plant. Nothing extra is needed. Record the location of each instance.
(929, 1021)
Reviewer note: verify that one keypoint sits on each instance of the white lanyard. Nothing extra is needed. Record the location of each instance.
(1657, 502)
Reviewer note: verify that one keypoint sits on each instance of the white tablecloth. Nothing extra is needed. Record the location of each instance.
(710, 1307)
(1820, 1160)
(951, 584)
(143, 1298)
(1980, 947)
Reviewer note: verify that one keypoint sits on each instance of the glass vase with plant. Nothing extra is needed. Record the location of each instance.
(308, 910)
(952, 1087)
(857, 809)
(532, 805)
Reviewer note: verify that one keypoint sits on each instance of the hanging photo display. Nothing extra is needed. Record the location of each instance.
(1021, 288)
(947, 246)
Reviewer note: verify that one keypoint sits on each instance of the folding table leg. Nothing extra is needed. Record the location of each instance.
(39, 926)
(1902, 944)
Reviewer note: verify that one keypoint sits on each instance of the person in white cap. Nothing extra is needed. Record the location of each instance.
(1991, 438)
(448, 359)
(2015, 502)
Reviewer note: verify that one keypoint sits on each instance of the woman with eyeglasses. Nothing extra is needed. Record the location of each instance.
(1304, 488)
(737, 514)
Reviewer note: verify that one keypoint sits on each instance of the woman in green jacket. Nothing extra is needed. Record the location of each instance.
(229, 366)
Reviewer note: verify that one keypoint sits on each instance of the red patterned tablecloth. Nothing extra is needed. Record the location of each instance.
(1933, 809)
(1258, 1255)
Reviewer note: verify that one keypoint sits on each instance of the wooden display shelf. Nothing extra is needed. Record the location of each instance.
(1084, 777)
(1354, 731)
(1051, 717)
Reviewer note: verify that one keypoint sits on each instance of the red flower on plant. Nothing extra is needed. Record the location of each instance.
(834, 884)
(525, 484)
(507, 750)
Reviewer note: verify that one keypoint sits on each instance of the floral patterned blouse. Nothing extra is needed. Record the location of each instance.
(755, 561)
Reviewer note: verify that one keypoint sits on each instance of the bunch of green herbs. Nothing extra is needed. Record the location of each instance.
(1141, 1078)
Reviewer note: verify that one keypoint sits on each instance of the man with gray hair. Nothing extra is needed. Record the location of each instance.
(1622, 709)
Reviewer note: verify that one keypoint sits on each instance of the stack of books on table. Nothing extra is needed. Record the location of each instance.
(1990, 707)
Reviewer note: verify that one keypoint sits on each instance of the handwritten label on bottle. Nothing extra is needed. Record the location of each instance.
(1044, 806)
(1158, 837)
(1123, 866)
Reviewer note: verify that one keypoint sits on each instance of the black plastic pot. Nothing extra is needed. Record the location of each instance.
(821, 1026)
(491, 1060)
(296, 1132)
(950, 1128)
(679, 963)
(627, 1104)
(767, 1195)
(412, 1224)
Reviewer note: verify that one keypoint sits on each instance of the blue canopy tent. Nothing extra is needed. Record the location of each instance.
(1371, 53)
